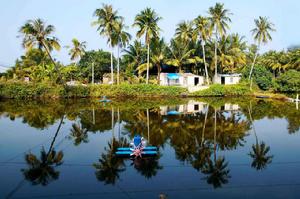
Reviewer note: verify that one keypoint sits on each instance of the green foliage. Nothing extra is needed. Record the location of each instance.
(135, 90)
(101, 61)
(22, 90)
(288, 82)
(224, 90)
(261, 76)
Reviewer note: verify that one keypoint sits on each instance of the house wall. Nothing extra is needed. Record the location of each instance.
(232, 80)
(183, 80)
(228, 81)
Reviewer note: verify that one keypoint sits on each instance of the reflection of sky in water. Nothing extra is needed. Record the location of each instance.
(177, 179)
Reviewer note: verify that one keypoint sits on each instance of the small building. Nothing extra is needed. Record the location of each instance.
(228, 79)
(180, 79)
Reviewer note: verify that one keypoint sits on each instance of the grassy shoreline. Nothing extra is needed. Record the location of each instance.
(20, 90)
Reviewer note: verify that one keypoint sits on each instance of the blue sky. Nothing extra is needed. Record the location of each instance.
(72, 18)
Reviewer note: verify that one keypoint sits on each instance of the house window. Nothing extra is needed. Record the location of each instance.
(231, 79)
(196, 107)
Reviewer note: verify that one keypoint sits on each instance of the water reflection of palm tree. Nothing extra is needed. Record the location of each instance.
(204, 152)
(216, 170)
(109, 166)
(147, 166)
(79, 134)
(42, 171)
(259, 153)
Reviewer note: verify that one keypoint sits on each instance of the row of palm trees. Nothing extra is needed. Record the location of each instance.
(202, 31)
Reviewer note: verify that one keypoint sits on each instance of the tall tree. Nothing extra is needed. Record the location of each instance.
(202, 27)
(77, 50)
(159, 50)
(181, 54)
(146, 21)
(134, 56)
(122, 38)
(219, 18)
(185, 32)
(107, 22)
(262, 34)
(37, 34)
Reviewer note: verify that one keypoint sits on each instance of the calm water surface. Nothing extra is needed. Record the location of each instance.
(208, 148)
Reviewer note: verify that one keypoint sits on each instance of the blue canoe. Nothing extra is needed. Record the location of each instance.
(144, 153)
(147, 148)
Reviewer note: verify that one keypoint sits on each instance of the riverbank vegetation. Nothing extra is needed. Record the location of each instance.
(203, 46)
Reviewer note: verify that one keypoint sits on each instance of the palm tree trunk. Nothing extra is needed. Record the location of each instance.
(111, 64)
(158, 74)
(56, 133)
(204, 60)
(203, 130)
(252, 66)
(52, 60)
(118, 67)
(148, 126)
(119, 126)
(148, 62)
(251, 120)
(216, 60)
(215, 136)
(113, 122)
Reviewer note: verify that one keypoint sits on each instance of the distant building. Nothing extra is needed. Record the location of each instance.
(181, 79)
(228, 79)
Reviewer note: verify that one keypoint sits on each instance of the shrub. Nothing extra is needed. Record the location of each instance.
(288, 82)
(224, 90)
(261, 76)
(29, 90)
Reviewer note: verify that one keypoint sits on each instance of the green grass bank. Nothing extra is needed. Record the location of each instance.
(21, 90)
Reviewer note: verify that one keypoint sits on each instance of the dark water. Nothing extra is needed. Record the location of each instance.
(208, 148)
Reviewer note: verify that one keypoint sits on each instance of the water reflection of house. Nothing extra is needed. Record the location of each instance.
(181, 79)
(230, 107)
(189, 108)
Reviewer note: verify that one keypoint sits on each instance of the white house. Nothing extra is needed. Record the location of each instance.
(228, 79)
(181, 79)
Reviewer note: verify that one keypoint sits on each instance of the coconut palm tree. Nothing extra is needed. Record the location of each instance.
(135, 54)
(181, 54)
(108, 22)
(219, 19)
(232, 55)
(185, 32)
(262, 34)
(159, 50)
(77, 50)
(36, 33)
(121, 38)
(146, 22)
(202, 27)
